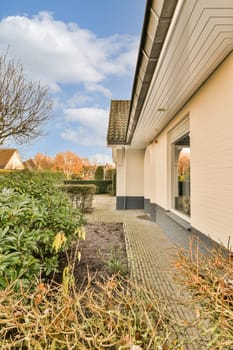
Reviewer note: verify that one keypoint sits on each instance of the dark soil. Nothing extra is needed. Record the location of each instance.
(103, 253)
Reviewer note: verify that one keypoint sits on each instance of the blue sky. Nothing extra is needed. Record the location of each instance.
(85, 51)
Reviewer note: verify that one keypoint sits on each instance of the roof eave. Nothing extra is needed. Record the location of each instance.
(149, 51)
(116, 143)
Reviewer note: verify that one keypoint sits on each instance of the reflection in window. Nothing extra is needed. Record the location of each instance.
(181, 175)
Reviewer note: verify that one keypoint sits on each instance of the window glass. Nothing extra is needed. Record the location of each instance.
(181, 175)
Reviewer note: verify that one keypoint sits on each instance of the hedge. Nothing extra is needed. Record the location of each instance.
(101, 185)
(80, 195)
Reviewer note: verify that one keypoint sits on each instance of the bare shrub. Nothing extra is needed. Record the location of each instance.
(112, 314)
(210, 279)
(25, 106)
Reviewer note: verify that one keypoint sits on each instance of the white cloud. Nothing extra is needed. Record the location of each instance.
(80, 136)
(125, 60)
(78, 99)
(101, 159)
(58, 103)
(56, 52)
(85, 97)
(91, 118)
(83, 136)
(78, 67)
(86, 126)
(99, 88)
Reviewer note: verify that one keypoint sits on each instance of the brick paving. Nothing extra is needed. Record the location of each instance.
(151, 256)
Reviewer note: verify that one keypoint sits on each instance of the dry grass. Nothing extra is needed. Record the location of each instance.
(113, 314)
(210, 279)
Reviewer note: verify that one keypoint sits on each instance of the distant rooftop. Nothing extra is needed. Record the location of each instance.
(118, 121)
(5, 156)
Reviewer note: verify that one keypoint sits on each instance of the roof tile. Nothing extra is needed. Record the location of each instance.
(118, 122)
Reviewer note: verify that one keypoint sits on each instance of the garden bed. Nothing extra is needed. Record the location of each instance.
(103, 252)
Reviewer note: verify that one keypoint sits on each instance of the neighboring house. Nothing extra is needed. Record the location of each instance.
(30, 165)
(173, 142)
(10, 159)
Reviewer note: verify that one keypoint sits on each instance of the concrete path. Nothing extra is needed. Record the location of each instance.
(151, 257)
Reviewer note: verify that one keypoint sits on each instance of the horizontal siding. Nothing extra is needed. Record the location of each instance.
(211, 134)
(212, 155)
(198, 43)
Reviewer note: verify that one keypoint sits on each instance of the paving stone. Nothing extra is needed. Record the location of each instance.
(151, 256)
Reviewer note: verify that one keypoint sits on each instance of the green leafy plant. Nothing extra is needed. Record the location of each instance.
(114, 262)
(32, 212)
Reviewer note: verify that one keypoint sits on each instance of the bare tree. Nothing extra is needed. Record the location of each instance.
(25, 106)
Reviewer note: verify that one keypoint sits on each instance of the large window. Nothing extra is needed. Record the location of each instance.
(181, 174)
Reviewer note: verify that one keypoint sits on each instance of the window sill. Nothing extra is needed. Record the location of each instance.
(179, 220)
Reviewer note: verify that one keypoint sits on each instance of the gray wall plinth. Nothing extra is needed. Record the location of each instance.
(182, 234)
(124, 203)
(150, 208)
(147, 205)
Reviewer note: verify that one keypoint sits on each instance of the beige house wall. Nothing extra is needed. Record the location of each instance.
(135, 172)
(212, 155)
(211, 134)
(147, 173)
(160, 196)
(130, 172)
(153, 178)
(120, 174)
(15, 162)
(158, 189)
(150, 173)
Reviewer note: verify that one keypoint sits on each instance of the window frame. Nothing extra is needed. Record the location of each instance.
(177, 132)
